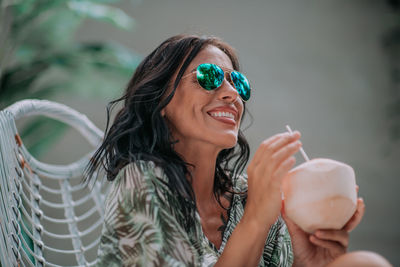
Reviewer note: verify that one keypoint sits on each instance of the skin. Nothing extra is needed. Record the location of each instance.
(201, 137)
(360, 259)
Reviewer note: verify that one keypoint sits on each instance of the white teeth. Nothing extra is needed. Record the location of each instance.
(223, 114)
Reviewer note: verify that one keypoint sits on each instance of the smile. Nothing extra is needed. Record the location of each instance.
(222, 114)
(225, 117)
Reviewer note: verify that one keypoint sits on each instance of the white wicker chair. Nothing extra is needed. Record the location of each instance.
(48, 216)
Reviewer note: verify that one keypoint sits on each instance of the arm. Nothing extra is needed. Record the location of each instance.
(246, 244)
(139, 233)
(270, 164)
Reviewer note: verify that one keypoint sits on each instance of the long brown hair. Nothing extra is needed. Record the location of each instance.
(139, 132)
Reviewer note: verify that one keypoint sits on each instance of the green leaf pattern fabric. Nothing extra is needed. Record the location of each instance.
(141, 226)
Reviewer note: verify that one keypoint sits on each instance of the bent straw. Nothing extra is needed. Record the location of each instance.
(301, 149)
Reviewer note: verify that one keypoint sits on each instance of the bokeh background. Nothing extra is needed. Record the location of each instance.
(329, 69)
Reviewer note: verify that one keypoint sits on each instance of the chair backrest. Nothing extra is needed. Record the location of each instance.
(48, 217)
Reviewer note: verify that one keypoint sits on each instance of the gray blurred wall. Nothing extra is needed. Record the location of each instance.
(316, 65)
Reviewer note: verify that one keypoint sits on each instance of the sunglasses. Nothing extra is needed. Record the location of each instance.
(211, 76)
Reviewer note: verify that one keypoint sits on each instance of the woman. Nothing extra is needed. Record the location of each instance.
(175, 154)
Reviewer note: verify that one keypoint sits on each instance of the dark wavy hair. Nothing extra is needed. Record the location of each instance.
(140, 132)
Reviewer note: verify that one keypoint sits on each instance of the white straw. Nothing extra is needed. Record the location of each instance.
(301, 149)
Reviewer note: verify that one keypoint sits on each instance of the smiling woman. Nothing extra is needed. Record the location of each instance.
(175, 154)
(207, 119)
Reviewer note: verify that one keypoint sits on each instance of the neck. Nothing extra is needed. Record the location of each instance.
(203, 157)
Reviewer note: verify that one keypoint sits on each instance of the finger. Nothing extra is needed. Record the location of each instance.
(265, 144)
(281, 142)
(285, 152)
(334, 247)
(357, 217)
(276, 181)
(268, 146)
(357, 188)
(340, 236)
(284, 168)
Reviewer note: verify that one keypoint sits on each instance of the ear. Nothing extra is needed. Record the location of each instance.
(163, 112)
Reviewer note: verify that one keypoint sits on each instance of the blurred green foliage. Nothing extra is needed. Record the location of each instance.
(41, 58)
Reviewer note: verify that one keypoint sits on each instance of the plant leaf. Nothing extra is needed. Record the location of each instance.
(50, 31)
(103, 12)
(6, 3)
(19, 80)
(27, 11)
(110, 56)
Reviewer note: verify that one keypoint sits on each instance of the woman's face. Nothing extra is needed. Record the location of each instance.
(198, 116)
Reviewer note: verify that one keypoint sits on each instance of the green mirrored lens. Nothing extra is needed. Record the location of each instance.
(242, 84)
(210, 76)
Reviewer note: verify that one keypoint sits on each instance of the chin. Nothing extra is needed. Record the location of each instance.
(229, 142)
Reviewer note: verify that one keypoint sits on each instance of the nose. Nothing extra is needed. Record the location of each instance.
(227, 91)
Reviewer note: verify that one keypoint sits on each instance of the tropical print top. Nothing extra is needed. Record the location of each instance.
(141, 226)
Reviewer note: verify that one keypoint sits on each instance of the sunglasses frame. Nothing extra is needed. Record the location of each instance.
(224, 72)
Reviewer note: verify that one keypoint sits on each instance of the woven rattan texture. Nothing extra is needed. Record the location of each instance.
(48, 217)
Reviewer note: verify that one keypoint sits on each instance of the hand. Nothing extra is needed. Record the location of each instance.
(322, 247)
(271, 162)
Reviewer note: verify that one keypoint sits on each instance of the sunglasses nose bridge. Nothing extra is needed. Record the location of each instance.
(227, 89)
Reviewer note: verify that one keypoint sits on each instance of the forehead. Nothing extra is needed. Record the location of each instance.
(211, 54)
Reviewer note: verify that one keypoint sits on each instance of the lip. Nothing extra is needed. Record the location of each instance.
(225, 109)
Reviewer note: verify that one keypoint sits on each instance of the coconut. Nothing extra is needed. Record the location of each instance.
(320, 194)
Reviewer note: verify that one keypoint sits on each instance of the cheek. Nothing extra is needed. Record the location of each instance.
(240, 108)
(181, 113)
